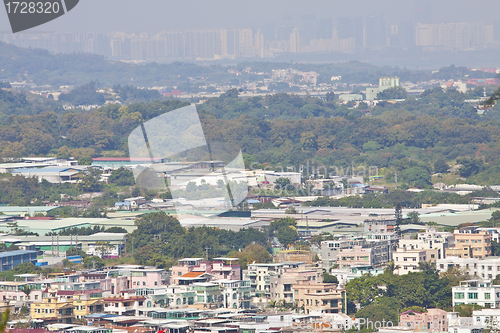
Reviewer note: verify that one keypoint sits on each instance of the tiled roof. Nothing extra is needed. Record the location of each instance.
(192, 274)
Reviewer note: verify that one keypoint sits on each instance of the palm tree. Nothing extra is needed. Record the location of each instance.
(4, 319)
(27, 291)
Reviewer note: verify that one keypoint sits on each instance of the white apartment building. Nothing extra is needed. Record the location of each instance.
(345, 275)
(480, 292)
(495, 233)
(432, 239)
(379, 230)
(487, 318)
(259, 275)
(330, 249)
(407, 259)
(487, 268)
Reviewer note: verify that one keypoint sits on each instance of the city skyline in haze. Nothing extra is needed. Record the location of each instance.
(132, 16)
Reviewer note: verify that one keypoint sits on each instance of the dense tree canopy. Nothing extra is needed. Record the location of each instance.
(163, 234)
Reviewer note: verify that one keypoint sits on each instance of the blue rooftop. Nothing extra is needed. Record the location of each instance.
(100, 315)
(47, 169)
(15, 253)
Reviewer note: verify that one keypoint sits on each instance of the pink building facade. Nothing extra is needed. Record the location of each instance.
(434, 320)
(220, 268)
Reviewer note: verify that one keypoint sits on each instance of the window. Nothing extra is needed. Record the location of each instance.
(432, 256)
(472, 296)
(487, 296)
(459, 296)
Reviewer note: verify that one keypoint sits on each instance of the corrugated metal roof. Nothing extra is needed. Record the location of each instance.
(16, 253)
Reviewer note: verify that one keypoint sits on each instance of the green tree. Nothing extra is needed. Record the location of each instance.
(414, 217)
(252, 253)
(91, 181)
(122, 177)
(87, 160)
(470, 167)
(84, 95)
(93, 262)
(384, 309)
(117, 230)
(398, 214)
(327, 278)
(393, 93)
(330, 96)
(282, 183)
(416, 176)
(495, 248)
(440, 166)
(285, 229)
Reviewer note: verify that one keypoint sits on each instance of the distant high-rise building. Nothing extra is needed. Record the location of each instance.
(268, 31)
(307, 29)
(351, 27)
(496, 30)
(375, 32)
(294, 41)
(324, 28)
(406, 34)
(283, 32)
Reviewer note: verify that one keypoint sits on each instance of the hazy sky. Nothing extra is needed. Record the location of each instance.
(157, 15)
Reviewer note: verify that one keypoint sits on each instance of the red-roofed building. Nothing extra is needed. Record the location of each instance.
(194, 277)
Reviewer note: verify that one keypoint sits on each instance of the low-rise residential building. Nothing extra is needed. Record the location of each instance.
(480, 292)
(330, 249)
(259, 275)
(220, 268)
(18, 294)
(53, 308)
(180, 296)
(432, 239)
(493, 231)
(379, 230)
(478, 241)
(487, 318)
(86, 304)
(208, 294)
(155, 297)
(460, 251)
(322, 297)
(237, 294)
(124, 305)
(345, 275)
(434, 320)
(281, 284)
(374, 254)
(487, 268)
(139, 276)
(407, 259)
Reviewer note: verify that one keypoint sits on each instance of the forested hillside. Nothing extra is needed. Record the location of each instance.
(42, 68)
(415, 138)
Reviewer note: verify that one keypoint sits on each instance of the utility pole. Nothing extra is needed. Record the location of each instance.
(206, 249)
